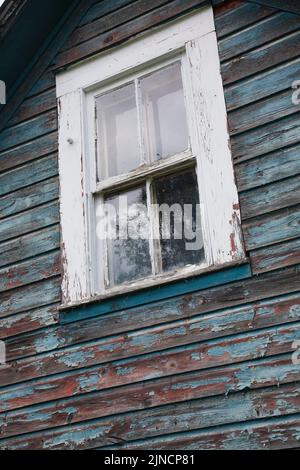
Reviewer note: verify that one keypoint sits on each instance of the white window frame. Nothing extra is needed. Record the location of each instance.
(191, 37)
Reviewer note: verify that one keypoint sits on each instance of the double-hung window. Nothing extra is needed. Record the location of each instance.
(147, 185)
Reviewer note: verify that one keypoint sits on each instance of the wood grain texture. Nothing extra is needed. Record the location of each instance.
(28, 321)
(177, 388)
(29, 197)
(272, 228)
(33, 106)
(272, 167)
(256, 35)
(45, 82)
(31, 220)
(262, 112)
(235, 15)
(250, 436)
(123, 32)
(212, 353)
(270, 197)
(32, 150)
(29, 297)
(99, 9)
(105, 22)
(265, 139)
(196, 414)
(29, 245)
(275, 256)
(157, 324)
(29, 130)
(28, 174)
(259, 86)
(27, 272)
(269, 55)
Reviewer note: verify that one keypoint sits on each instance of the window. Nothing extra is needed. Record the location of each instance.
(142, 138)
(147, 185)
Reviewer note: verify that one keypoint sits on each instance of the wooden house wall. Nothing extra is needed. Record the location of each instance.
(211, 369)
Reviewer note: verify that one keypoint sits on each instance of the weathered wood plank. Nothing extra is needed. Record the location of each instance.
(260, 86)
(269, 168)
(29, 245)
(198, 328)
(33, 106)
(29, 130)
(252, 435)
(157, 362)
(176, 388)
(258, 34)
(267, 56)
(123, 32)
(27, 272)
(268, 138)
(108, 304)
(29, 221)
(111, 20)
(39, 147)
(28, 321)
(288, 5)
(191, 415)
(29, 297)
(28, 174)
(272, 228)
(262, 112)
(275, 256)
(270, 197)
(27, 198)
(236, 15)
(101, 8)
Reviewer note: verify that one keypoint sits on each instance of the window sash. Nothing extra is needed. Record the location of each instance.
(143, 134)
(142, 174)
(154, 229)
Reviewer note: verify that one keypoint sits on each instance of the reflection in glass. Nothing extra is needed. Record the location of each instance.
(128, 253)
(181, 239)
(118, 149)
(164, 112)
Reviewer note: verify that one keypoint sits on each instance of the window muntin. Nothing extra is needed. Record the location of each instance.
(150, 110)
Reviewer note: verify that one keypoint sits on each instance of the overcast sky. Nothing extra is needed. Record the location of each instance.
(1, 1)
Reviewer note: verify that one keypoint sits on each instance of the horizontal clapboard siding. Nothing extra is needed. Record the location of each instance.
(196, 414)
(199, 370)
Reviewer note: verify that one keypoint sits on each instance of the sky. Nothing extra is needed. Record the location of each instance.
(1, 1)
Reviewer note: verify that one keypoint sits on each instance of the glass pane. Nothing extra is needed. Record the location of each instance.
(164, 112)
(128, 244)
(117, 132)
(181, 239)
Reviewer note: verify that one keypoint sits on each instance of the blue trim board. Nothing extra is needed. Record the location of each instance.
(155, 294)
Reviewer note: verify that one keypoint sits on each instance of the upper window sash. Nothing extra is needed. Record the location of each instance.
(147, 166)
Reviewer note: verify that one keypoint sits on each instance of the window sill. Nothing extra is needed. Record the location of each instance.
(154, 290)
